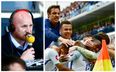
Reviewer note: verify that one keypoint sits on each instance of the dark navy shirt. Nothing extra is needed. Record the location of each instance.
(51, 33)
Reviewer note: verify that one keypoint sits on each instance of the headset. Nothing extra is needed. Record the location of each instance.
(11, 27)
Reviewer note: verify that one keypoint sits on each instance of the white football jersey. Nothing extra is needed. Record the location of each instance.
(77, 61)
(51, 59)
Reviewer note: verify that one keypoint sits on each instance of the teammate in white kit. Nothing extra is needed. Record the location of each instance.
(75, 59)
(52, 62)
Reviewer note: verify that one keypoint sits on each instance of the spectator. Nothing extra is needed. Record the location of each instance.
(13, 64)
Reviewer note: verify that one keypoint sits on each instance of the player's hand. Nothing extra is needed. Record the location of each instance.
(73, 48)
(63, 58)
(67, 42)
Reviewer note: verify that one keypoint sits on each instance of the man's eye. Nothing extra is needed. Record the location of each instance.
(24, 26)
(92, 40)
(31, 25)
(53, 13)
(65, 29)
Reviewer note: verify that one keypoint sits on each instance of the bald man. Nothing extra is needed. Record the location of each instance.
(13, 43)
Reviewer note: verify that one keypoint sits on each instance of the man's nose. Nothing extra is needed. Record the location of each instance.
(29, 30)
(57, 15)
(68, 31)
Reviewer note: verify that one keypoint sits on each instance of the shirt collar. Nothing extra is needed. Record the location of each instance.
(49, 23)
(17, 45)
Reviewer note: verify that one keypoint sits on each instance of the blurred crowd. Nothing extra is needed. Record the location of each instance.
(76, 8)
(79, 7)
(107, 27)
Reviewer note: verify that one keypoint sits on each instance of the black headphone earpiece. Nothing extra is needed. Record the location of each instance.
(11, 27)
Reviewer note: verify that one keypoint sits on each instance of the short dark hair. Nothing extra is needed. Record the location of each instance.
(53, 6)
(64, 48)
(100, 36)
(7, 61)
(65, 22)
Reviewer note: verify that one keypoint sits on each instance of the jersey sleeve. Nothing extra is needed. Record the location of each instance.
(74, 55)
(54, 57)
(87, 53)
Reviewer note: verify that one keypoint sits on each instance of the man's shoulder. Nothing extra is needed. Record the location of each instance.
(5, 41)
(50, 50)
(5, 37)
(47, 21)
(6, 46)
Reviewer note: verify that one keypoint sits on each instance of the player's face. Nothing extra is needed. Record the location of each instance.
(54, 15)
(91, 43)
(66, 31)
